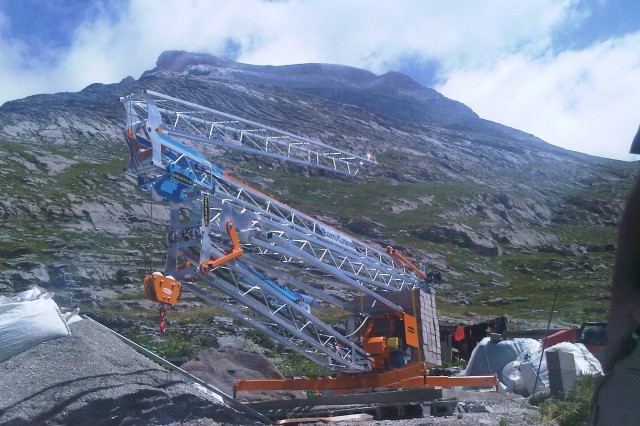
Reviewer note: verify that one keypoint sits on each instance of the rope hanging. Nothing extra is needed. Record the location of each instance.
(163, 312)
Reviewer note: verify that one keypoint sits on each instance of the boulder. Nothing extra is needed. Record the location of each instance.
(365, 226)
(459, 235)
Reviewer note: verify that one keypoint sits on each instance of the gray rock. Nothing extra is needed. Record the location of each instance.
(505, 300)
(459, 235)
(567, 250)
(366, 226)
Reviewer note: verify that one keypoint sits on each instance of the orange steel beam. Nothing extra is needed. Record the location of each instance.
(396, 255)
(447, 381)
(343, 383)
(235, 252)
(414, 375)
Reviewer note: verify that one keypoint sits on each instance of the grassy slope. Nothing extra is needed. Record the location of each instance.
(582, 280)
(42, 226)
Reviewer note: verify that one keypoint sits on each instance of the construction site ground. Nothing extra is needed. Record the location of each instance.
(408, 407)
(93, 378)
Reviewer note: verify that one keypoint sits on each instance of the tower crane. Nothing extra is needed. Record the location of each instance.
(242, 250)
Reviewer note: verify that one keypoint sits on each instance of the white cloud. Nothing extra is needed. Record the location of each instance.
(375, 35)
(19, 77)
(580, 100)
(491, 55)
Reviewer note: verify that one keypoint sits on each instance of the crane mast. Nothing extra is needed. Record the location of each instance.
(229, 241)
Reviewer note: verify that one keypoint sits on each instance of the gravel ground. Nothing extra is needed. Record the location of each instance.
(509, 411)
(93, 378)
(474, 408)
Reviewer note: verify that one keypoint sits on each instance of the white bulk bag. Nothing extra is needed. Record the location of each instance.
(28, 319)
(519, 376)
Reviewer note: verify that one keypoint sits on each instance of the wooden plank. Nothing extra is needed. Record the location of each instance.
(362, 417)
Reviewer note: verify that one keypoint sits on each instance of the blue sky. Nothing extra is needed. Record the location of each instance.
(567, 71)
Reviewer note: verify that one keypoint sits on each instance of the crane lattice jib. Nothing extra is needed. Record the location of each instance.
(285, 314)
(334, 359)
(262, 235)
(332, 246)
(356, 257)
(197, 123)
(284, 319)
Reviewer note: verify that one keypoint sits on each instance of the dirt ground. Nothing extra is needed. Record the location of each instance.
(222, 367)
(93, 378)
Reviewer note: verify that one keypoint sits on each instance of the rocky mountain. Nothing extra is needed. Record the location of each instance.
(392, 94)
(507, 217)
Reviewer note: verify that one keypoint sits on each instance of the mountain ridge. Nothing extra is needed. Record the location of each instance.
(333, 82)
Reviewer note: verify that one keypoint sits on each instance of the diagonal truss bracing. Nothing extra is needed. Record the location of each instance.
(357, 260)
(285, 314)
(187, 120)
(317, 347)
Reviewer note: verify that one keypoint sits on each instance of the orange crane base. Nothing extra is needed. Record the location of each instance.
(411, 376)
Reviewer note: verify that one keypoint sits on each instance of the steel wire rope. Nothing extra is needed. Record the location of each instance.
(361, 325)
(151, 219)
(544, 341)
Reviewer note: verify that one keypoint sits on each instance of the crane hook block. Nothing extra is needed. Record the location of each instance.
(159, 288)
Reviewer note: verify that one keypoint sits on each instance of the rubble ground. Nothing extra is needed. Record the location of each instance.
(93, 377)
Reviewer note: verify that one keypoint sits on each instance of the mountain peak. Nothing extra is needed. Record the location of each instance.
(180, 60)
(399, 81)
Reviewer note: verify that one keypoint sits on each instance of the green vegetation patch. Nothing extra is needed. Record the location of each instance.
(573, 409)
(294, 365)
(170, 346)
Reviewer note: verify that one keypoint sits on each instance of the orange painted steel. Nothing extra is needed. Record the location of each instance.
(396, 255)
(235, 252)
(162, 289)
(411, 376)
(410, 330)
(183, 266)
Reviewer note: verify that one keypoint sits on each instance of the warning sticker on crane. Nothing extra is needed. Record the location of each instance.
(411, 330)
(205, 208)
(182, 178)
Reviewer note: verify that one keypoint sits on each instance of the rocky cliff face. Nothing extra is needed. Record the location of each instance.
(392, 94)
(481, 202)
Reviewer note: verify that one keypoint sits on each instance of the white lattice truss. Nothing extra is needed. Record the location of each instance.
(261, 287)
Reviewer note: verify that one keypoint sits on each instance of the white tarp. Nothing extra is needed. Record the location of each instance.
(519, 376)
(28, 319)
(490, 357)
